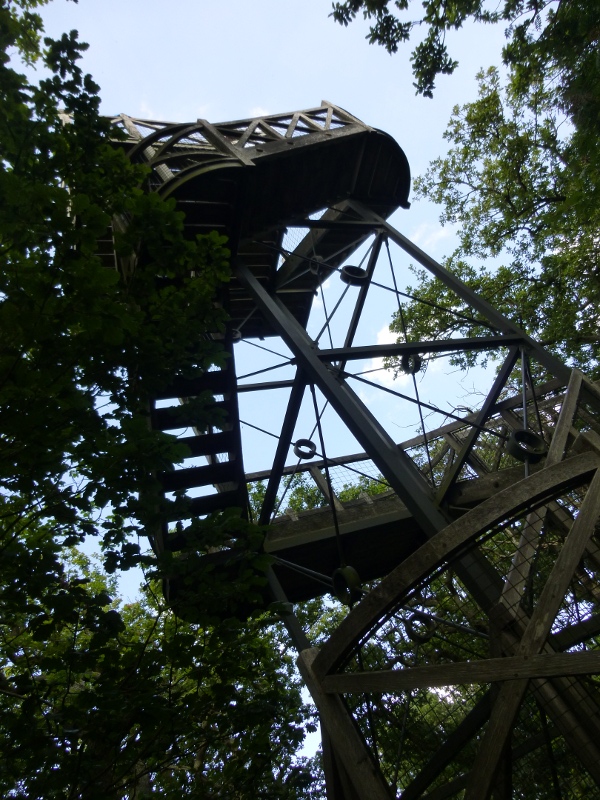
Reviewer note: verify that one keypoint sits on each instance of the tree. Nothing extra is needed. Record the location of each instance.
(558, 36)
(520, 180)
(521, 191)
(300, 492)
(84, 346)
(104, 700)
(99, 699)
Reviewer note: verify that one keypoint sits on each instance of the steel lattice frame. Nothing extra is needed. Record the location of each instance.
(465, 540)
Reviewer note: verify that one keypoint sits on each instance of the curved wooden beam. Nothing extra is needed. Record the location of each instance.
(527, 493)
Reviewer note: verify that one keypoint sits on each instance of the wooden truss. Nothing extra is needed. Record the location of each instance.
(467, 660)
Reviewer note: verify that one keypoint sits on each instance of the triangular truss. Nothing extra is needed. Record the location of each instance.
(471, 571)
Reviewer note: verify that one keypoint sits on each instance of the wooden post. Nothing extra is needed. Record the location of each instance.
(511, 695)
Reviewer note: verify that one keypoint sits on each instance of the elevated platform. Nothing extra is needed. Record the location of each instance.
(252, 179)
(470, 564)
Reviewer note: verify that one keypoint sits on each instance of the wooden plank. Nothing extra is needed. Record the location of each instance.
(592, 391)
(337, 784)
(558, 582)
(191, 477)
(439, 456)
(347, 742)
(511, 695)
(565, 419)
(577, 633)
(321, 482)
(566, 699)
(222, 143)
(514, 422)
(476, 465)
(388, 593)
(291, 127)
(247, 134)
(546, 665)
(523, 558)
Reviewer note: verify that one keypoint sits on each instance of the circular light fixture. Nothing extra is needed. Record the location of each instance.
(304, 448)
(526, 446)
(353, 276)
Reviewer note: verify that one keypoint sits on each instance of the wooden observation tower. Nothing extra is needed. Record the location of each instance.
(465, 661)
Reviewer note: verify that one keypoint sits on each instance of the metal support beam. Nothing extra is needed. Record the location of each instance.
(395, 466)
(289, 619)
(461, 458)
(287, 431)
(362, 295)
(348, 353)
(494, 317)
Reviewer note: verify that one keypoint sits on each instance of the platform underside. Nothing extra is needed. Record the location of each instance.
(463, 651)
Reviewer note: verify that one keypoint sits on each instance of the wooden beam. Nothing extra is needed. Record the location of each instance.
(389, 592)
(565, 419)
(337, 783)
(543, 665)
(349, 746)
(321, 482)
(511, 695)
(523, 557)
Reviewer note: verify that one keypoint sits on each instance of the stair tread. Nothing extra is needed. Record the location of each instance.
(164, 419)
(209, 444)
(219, 501)
(216, 382)
(206, 475)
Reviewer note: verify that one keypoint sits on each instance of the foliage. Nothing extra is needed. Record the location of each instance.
(364, 485)
(102, 701)
(393, 27)
(301, 493)
(439, 622)
(520, 181)
(83, 345)
(542, 37)
(521, 190)
(98, 699)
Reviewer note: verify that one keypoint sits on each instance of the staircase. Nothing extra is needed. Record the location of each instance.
(217, 483)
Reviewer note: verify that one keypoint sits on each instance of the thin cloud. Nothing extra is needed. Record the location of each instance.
(146, 111)
(429, 235)
(384, 376)
(258, 111)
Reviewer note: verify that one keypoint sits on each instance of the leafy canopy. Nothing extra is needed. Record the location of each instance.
(561, 33)
(520, 185)
(98, 699)
(521, 176)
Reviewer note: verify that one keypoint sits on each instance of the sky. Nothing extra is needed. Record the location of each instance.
(187, 59)
(191, 58)
(221, 61)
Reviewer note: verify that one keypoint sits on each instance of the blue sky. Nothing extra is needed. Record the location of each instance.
(186, 59)
(190, 58)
